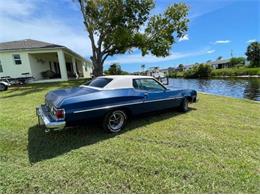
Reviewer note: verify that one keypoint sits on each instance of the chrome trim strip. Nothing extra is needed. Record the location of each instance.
(49, 124)
(119, 105)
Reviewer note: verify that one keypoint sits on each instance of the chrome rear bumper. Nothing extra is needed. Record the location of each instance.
(47, 121)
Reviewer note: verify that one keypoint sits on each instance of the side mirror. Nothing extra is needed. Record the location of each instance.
(165, 81)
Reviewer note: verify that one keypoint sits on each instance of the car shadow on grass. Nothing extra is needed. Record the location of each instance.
(21, 91)
(43, 146)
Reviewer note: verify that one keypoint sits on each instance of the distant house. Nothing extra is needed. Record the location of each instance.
(153, 70)
(218, 64)
(167, 71)
(45, 62)
(156, 72)
(187, 67)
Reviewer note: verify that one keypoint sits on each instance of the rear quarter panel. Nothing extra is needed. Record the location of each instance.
(95, 105)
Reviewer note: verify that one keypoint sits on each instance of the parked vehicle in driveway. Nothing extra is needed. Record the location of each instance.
(112, 99)
(4, 84)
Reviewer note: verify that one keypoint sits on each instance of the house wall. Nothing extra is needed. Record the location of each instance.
(32, 65)
(84, 68)
(87, 70)
(10, 68)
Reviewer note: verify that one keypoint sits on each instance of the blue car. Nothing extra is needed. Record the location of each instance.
(112, 99)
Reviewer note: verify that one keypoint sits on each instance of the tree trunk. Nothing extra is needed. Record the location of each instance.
(98, 67)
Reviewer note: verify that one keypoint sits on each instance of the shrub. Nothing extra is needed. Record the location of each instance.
(172, 74)
(198, 71)
(237, 61)
(236, 71)
(175, 74)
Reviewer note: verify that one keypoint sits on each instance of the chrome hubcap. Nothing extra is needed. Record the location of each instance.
(2, 87)
(116, 120)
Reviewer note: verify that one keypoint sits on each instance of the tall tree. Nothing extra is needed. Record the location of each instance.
(114, 69)
(253, 54)
(181, 67)
(117, 26)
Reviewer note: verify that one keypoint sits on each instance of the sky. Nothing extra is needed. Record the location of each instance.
(216, 28)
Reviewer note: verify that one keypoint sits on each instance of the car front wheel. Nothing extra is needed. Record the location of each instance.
(184, 107)
(115, 121)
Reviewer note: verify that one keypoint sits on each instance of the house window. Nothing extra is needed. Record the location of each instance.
(1, 68)
(17, 59)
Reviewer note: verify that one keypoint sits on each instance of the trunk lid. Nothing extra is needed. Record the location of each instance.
(53, 98)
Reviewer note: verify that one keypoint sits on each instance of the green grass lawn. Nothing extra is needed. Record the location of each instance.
(214, 148)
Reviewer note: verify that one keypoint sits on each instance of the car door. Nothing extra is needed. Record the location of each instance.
(156, 96)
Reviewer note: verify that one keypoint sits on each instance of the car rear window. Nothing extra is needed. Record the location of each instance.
(99, 82)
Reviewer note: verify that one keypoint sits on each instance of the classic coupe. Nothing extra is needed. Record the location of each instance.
(112, 99)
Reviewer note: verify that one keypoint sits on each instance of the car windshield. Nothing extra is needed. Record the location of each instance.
(99, 82)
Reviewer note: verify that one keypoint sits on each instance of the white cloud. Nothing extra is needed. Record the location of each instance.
(211, 51)
(16, 8)
(184, 38)
(138, 58)
(23, 24)
(222, 41)
(47, 30)
(206, 7)
(251, 40)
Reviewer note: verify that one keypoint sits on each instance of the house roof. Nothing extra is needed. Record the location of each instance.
(27, 44)
(189, 66)
(219, 62)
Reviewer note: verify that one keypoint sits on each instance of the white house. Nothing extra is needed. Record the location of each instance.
(218, 64)
(45, 62)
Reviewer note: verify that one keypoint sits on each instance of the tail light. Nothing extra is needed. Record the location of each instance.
(59, 113)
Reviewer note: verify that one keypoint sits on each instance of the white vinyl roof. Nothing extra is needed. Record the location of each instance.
(122, 81)
(126, 77)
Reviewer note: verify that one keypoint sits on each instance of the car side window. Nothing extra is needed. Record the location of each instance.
(147, 84)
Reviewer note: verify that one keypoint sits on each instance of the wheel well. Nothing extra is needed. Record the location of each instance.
(189, 98)
(127, 111)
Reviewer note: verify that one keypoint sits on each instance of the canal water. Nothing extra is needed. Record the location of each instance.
(234, 87)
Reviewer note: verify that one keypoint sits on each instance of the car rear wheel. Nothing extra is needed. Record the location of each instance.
(184, 107)
(3, 87)
(115, 121)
